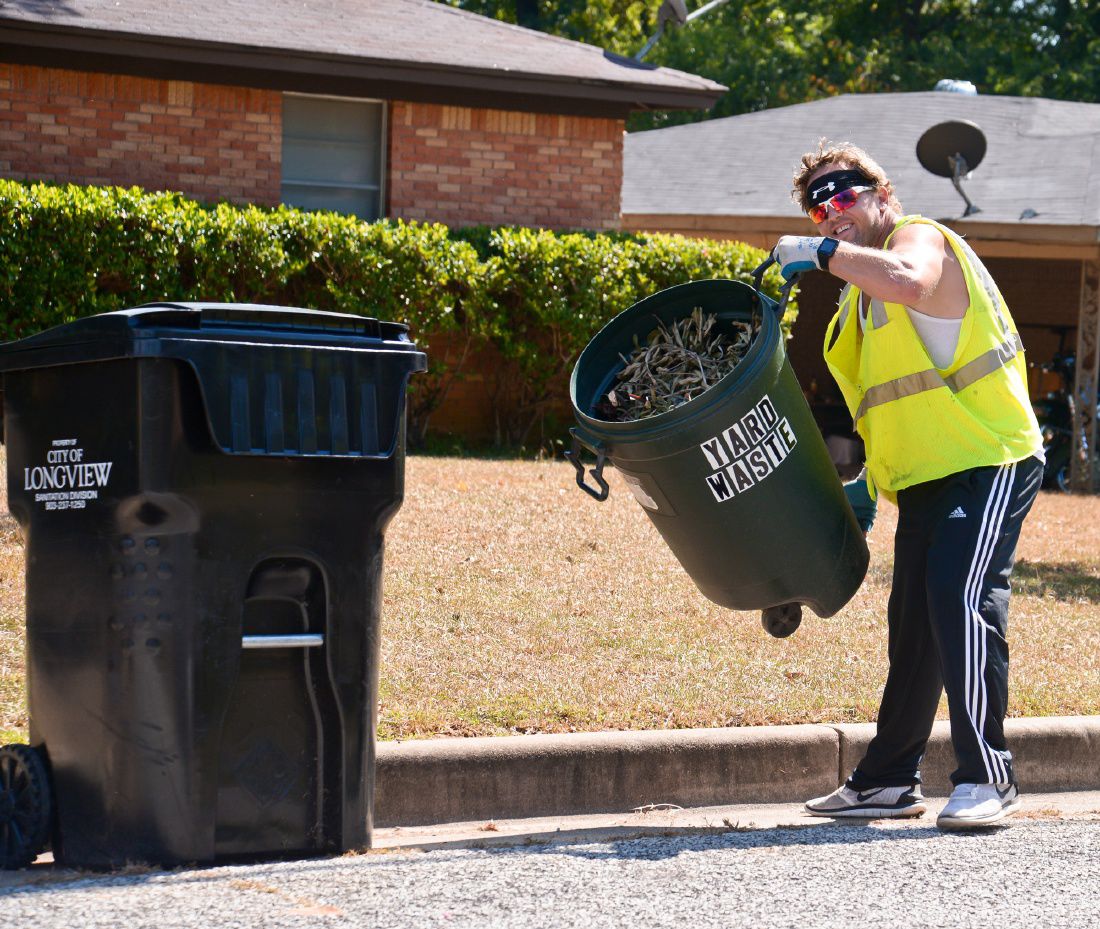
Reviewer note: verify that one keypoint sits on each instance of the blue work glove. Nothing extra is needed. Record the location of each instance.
(797, 253)
(859, 498)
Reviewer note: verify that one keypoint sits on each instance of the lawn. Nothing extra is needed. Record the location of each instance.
(515, 603)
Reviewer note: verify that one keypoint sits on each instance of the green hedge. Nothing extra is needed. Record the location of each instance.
(535, 296)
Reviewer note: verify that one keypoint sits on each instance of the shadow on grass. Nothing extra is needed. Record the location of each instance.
(549, 443)
(445, 449)
(1063, 581)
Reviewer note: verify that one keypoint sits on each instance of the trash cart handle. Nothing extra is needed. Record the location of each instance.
(574, 456)
(297, 320)
(784, 291)
(758, 274)
(311, 640)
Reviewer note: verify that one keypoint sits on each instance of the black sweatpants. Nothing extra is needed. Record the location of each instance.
(948, 616)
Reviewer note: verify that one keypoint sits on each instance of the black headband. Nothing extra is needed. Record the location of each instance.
(829, 185)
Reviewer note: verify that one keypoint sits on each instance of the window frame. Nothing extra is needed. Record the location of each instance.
(383, 161)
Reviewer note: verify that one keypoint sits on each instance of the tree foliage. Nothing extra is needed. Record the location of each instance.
(778, 52)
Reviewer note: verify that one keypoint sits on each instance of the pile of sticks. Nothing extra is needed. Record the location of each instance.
(678, 363)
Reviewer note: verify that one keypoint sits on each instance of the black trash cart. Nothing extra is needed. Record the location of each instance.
(203, 491)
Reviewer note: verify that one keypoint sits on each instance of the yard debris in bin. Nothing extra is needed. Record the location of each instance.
(679, 362)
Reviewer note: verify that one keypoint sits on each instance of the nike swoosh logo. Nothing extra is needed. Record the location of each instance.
(862, 797)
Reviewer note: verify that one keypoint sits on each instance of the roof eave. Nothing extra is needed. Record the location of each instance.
(1014, 229)
(1010, 239)
(293, 70)
(1008, 230)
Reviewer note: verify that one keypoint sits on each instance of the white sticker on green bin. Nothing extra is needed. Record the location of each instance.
(639, 492)
(748, 451)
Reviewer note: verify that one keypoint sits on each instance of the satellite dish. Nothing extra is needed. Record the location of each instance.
(674, 11)
(953, 149)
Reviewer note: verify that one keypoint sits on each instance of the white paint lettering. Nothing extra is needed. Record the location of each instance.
(736, 440)
(716, 454)
(752, 426)
(767, 412)
(720, 486)
(66, 480)
(740, 475)
(787, 433)
(758, 461)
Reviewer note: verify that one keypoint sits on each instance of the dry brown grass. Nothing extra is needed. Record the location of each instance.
(13, 697)
(515, 603)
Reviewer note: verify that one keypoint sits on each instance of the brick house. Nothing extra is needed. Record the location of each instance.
(401, 108)
(409, 109)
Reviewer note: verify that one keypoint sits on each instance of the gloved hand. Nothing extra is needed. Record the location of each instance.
(859, 497)
(797, 253)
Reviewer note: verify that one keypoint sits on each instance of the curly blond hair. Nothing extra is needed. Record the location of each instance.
(842, 155)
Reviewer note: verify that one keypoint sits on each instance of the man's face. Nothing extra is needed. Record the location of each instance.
(862, 224)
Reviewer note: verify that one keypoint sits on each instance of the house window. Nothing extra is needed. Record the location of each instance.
(332, 154)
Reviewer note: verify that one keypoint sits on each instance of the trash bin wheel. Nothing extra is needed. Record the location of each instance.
(25, 806)
(780, 621)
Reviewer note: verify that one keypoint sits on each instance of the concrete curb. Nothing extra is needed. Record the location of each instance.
(456, 780)
(1050, 754)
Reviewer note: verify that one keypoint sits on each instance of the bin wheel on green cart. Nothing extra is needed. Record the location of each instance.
(780, 621)
(25, 806)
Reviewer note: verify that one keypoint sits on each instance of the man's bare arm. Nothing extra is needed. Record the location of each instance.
(917, 270)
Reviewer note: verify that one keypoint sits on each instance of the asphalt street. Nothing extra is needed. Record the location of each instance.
(1040, 871)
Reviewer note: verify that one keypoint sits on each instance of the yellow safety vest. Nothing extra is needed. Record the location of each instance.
(919, 422)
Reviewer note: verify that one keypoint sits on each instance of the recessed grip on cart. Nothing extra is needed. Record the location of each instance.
(574, 456)
(306, 640)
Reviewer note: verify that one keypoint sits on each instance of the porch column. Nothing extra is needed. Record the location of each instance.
(1084, 460)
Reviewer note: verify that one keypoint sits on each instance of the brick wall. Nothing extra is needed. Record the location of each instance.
(464, 166)
(209, 141)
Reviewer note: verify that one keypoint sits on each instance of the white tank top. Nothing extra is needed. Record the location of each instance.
(940, 336)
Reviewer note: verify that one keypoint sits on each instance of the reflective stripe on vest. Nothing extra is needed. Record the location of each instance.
(916, 383)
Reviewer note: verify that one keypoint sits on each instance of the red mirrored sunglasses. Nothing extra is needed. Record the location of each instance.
(840, 202)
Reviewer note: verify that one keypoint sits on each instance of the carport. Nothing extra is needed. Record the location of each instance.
(1037, 191)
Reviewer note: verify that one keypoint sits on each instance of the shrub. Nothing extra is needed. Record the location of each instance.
(548, 294)
(68, 251)
(535, 297)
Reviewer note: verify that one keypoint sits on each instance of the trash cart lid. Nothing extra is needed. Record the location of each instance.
(149, 330)
(274, 380)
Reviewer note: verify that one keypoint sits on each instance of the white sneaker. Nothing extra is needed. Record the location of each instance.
(872, 803)
(973, 806)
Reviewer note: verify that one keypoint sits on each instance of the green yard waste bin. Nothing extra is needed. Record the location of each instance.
(738, 480)
(203, 490)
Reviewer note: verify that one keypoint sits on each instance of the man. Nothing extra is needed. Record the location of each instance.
(931, 366)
